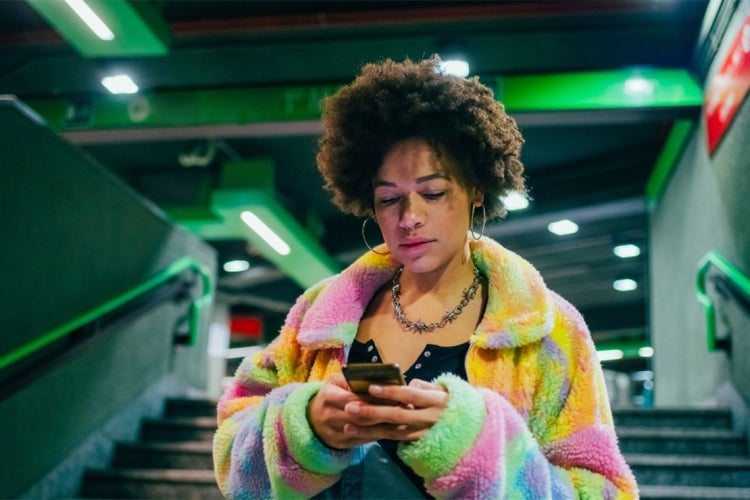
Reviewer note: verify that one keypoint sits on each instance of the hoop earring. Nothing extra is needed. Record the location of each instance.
(484, 222)
(364, 238)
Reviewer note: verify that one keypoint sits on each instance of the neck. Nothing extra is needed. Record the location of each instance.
(455, 275)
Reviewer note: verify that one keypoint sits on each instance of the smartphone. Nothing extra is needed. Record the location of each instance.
(360, 376)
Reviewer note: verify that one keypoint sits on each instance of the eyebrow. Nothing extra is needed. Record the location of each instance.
(424, 178)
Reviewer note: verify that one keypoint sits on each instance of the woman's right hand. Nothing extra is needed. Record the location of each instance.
(327, 417)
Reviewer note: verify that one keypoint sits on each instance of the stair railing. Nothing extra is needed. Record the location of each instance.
(173, 270)
(741, 282)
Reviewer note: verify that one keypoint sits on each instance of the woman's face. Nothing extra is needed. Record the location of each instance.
(422, 208)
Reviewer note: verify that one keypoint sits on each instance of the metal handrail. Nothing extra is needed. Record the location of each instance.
(180, 265)
(713, 258)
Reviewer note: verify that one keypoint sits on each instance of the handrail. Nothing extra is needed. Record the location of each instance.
(180, 265)
(734, 274)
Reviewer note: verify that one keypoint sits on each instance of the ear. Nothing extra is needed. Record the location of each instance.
(477, 198)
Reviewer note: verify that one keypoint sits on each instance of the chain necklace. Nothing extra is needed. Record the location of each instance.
(420, 326)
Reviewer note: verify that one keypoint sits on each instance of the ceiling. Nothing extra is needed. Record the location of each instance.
(590, 163)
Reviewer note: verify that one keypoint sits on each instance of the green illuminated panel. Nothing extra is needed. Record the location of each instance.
(138, 29)
(307, 263)
(600, 90)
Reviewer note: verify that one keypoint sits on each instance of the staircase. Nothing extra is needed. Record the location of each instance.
(684, 453)
(171, 459)
(674, 453)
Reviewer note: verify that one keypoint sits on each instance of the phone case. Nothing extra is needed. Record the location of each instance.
(361, 375)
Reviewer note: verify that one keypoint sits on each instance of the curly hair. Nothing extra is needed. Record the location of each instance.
(390, 102)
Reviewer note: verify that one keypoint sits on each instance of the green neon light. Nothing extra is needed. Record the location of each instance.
(600, 90)
(171, 271)
(138, 28)
(713, 258)
(666, 163)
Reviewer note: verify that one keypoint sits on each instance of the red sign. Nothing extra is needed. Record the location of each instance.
(728, 88)
(250, 326)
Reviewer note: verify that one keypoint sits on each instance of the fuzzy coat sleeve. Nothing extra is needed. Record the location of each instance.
(264, 446)
(537, 424)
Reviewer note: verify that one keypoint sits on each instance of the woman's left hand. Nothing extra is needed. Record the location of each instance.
(417, 407)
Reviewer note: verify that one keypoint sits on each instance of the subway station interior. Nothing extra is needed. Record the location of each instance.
(132, 162)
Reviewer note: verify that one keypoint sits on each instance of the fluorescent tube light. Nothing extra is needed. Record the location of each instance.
(265, 232)
(515, 201)
(89, 17)
(563, 227)
(627, 250)
(625, 285)
(236, 266)
(609, 354)
(120, 84)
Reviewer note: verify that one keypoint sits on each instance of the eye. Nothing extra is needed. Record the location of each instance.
(434, 196)
(387, 201)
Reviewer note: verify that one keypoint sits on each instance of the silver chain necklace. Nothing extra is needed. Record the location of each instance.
(420, 326)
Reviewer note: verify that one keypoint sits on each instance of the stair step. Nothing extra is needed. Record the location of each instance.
(683, 492)
(178, 429)
(150, 483)
(719, 418)
(687, 470)
(189, 407)
(645, 440)
(164, 455)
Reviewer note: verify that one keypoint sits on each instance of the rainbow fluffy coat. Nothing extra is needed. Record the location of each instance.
(533, 420)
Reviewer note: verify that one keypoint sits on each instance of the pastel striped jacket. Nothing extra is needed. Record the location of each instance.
(533, 420)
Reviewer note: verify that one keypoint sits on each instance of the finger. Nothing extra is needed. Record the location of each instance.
(423, 384)
(410, 395)
(338, 380)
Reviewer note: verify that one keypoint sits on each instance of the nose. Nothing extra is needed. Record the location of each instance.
(412, 214)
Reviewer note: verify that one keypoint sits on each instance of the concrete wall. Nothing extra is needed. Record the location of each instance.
(74, 236)
(705, 207)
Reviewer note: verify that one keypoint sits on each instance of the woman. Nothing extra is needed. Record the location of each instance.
(505, 397)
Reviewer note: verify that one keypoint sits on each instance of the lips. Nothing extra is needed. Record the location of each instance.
(414, 242)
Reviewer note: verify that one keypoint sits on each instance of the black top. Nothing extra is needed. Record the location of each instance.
(434, 360)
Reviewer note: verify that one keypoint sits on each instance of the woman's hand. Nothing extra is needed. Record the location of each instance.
(327, 417)
(418, 406)
(341, 420)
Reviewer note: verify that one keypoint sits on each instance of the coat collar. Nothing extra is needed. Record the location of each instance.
(518, 312)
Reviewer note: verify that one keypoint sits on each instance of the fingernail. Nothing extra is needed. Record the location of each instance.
(376, 389)
(352, 408)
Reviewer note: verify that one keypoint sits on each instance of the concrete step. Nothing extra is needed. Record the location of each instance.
(687, 470)
(702, 493)
(178, 429)
(189, 407)
(646, 440)
(164, 455)
(701, 418)
(150, 483)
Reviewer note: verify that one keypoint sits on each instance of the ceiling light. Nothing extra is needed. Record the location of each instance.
(93, 21)
(646, 352)
(563, 227)
(265, 232)
(625, 285)
(515, 201)
(627, 250)
(609, 354)
(455, 67)
(120, 84)
(236, 266)
(638, 86)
